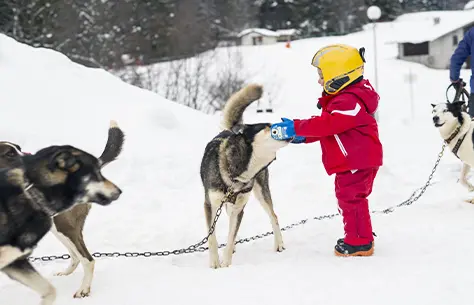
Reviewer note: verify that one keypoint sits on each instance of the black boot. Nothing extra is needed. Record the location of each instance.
(340, 241)
(348, 250)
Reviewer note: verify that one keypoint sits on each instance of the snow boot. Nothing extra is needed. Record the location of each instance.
(348, 250)
(343, 249)
(340, 241)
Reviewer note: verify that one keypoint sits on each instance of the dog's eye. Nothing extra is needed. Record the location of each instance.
(445, 110)
(11, 154)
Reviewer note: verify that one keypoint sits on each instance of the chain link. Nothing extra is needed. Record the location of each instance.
(200, 248)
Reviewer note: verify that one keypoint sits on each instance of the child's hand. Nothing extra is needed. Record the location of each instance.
(285, 130)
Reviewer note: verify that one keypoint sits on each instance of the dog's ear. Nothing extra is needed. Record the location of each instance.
(458, 103)
(63, 159)
(238, 129)
(433, 105)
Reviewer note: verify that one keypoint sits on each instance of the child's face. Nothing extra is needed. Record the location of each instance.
(321, 79)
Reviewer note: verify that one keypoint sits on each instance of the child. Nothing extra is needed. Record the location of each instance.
(348, 134)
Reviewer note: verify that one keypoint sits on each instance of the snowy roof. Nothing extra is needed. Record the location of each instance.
(263, 32)
(422, 26)
(289, 31)
(469, 5)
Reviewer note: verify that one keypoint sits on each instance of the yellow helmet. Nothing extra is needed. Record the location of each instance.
(339, 65)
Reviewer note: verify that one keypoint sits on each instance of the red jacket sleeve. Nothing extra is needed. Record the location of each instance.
(340, 115)
(311, 139)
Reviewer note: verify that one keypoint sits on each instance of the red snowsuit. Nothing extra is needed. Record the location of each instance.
(351, 149)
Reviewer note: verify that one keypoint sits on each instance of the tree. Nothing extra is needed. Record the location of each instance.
(277, 14)
(391, 9)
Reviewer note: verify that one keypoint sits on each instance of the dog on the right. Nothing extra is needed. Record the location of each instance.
(456, 128)
(236, 162)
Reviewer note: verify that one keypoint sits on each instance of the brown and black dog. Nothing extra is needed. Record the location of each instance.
(68, 225)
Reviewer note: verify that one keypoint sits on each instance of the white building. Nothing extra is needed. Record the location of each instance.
(256, 36)
(469, 5)
(288, 34)
(430, 38)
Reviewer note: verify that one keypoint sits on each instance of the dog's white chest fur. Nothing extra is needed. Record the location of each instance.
(465, 150)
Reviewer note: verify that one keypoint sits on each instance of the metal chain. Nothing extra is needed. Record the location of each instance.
(422, 189)
(199, 246)
(191, 249)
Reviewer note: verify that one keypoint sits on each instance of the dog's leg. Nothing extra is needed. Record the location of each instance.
(8, 254)
(23, 272)
(68, 228)
(69, 246)
(210, 209)
(88, 263)
(261, 191)
(463, 179)
(239, 221)
(235, 218)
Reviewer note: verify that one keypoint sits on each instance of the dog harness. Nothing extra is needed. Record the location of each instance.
(458, 143)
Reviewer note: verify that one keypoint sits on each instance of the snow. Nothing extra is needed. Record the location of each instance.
(469, 5)
(420, 26)
(264, 32)
(423, 254)
(287, 32)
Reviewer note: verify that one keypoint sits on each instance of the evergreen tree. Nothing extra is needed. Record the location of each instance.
(391, 9)
(276, 14)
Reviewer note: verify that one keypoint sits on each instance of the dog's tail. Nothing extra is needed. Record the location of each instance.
(114, 144)
(237, 103)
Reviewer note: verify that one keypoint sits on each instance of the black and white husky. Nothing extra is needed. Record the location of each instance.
(456, 128)
(237, 160)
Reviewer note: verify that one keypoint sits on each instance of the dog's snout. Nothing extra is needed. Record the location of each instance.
(116, 194)
(113, 190)
(435, 119)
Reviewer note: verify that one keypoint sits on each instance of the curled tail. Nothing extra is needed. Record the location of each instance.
(114, 144)
(237, 103)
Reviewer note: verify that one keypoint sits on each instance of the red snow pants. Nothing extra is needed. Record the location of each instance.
(352, 190)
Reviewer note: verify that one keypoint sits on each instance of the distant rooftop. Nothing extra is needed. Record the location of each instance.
(264, 32)
(428, 26)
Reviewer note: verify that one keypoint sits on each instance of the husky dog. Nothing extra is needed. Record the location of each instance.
(49, 182)
(234, 163)
(456, 128)
(68, 225)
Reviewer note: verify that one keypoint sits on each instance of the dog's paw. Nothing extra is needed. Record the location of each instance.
(226, 263)
(279, 247)
(471, 201)
(63, 273)
(82, 293)
(70, 269)
(214, 263)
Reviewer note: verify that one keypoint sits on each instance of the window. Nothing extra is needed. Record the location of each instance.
(257, 40)
(413, 49)
(455, 40)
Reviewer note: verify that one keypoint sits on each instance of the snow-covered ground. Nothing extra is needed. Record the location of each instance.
(423, 254)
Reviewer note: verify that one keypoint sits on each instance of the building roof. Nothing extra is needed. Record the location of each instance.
(289, 31)
(263, 32)
(428, 26)
(469, 5)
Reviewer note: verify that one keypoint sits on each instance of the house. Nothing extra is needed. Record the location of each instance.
(256, 36)
(469, 5)
(288, 34)
(430, 38)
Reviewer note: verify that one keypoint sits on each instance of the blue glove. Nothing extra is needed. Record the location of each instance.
(286, 130)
